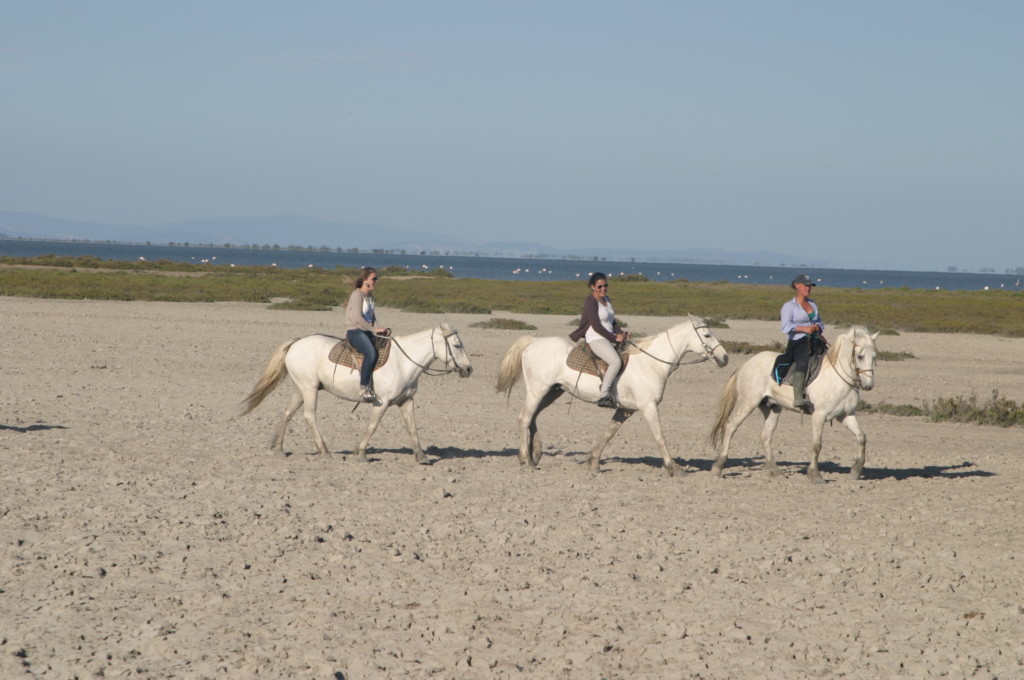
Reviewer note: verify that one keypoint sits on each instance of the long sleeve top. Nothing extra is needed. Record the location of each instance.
(794, 315)
(361, 312)
(591, 319)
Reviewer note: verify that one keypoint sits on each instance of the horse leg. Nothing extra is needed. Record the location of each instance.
(620, 416)
(771, 421)
(309, 413)
(736, 418)
(850, 421)
(536, 448)
(527, 422)
(278, 444)
(409, 415)
(376, 415)
(817, 427)
(653, 417)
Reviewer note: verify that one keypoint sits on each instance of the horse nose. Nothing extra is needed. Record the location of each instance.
(721, 359)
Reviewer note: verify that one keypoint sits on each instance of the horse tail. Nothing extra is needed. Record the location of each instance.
(726, 404)
(271, 378)
(510, 369)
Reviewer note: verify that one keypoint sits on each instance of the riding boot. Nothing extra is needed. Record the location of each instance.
(799, 400)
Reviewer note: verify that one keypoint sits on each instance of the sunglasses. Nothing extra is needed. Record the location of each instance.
(373, 278)
(601, 286)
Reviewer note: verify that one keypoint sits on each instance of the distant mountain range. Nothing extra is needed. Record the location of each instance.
(299, 230)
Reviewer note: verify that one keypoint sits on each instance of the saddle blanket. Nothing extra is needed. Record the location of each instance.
(345, 355)
(583, 360)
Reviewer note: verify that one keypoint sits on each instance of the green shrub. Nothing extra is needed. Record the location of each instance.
(997, 410)
(505, 325)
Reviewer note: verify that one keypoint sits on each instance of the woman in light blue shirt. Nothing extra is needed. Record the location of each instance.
(800, 321)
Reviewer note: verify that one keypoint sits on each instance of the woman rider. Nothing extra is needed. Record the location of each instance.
(800, 321)
(598, 326)
(361, 325)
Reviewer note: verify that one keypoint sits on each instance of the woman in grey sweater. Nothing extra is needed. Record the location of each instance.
(361, 325)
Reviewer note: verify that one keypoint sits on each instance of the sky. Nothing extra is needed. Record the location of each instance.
(868, 134)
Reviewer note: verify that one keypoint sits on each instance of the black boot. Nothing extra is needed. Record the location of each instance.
(799, 400)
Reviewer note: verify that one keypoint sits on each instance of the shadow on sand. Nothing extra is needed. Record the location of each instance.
(958, 471)
(32, 428)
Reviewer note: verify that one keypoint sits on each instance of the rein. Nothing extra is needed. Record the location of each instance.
(708, 351)
(426, 369)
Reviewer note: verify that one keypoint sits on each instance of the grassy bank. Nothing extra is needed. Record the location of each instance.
(889, 310)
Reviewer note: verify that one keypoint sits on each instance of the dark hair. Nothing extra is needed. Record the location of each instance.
(366, 273)
(595, 277)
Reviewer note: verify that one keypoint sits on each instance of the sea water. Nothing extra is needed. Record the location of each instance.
(514, 268)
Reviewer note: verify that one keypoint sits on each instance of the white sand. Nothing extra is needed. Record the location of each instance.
(147, 532)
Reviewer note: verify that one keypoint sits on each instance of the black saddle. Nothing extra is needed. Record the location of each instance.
(780, 370)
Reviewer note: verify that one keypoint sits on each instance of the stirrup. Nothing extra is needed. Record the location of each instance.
(607, 401)
(804, 407)
(367, 394)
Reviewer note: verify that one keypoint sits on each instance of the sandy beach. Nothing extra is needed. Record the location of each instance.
(147, 531)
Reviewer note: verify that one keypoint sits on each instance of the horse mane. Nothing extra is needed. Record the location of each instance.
(641, 344)
(645, 342)
(836, 350)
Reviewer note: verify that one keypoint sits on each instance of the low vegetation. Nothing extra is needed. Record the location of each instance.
(996, 410)
(992, 312)
(505, 325)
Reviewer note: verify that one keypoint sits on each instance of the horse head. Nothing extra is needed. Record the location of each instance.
(855, 355)
(452, 351)
(706, 342)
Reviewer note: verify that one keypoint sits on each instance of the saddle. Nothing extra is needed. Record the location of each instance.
(345, 354)
(585, 361)
(780, 371)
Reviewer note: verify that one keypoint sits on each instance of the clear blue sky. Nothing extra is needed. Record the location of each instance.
(870, 133)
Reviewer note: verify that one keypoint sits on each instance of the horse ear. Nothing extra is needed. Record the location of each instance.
(445, 328)
(875, 335)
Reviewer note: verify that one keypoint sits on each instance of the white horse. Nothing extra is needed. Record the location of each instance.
(305, 361)
(640, 387)
(848, 368)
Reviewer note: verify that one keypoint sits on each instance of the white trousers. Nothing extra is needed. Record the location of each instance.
(606, 351)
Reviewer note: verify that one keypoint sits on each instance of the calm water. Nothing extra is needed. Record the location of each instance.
(502, 268)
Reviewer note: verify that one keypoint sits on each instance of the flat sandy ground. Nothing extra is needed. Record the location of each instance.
(147, 531)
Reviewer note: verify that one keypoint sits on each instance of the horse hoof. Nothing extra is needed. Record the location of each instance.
(671, 470)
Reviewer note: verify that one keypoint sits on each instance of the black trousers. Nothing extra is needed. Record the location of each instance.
(795, 358)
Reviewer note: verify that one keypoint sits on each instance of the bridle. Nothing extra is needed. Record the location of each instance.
(708, 349)
(855, 381)
(449, 355)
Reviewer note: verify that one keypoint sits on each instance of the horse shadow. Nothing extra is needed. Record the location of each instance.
(962, 470)
(434, 453)
(454, 452)
(32, 428)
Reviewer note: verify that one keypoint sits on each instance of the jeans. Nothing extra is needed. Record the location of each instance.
(364, 343)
